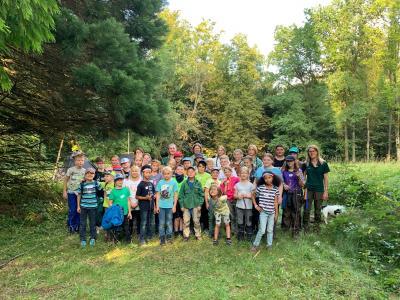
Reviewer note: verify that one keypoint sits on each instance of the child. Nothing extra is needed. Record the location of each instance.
(166, 199)
(268, 161)
(267, 193)
(139, 152)
(146, 159)
(244, 207)
(179, 177)
(107, 187)
(156, 176)
(132, 184)
(145, 193)
(114, 161)
(248, 163)
(187, 162)
(191, 198)
(202, 176)
(121, 196)
(172, 164)
(221, 211)
(126, 167)
(178, 157)
(87, 206)
(293, 182)
(72, 180)
(139, 161)
(209, 202)
(228, 189)
(224, 160)
(100, 169)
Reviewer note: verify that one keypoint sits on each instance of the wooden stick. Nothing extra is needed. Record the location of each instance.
(58, 157)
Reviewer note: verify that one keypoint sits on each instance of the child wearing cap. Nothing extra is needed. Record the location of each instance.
(145, 194)
(126, 167)
(208, 201)
(87, 206)
(221, 213)
(132, 183)
(178, 157)
(187, 162)
(267, 193)
(179, 177)
(244, 206)
(166, 199)
(293, 182)
(228, 189)
(191, 198)
(121, 195)
(72, 179)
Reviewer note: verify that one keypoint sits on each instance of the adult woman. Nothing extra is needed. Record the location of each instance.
(220, 152)
(252, 151)
(317, 171)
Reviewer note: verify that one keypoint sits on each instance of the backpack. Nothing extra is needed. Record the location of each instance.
(113, 217)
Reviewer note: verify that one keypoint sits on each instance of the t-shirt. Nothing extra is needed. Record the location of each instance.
(87, 190)
(202, 178)
(99, 176)
(132, 186)
(315, 176)
(221, 205)
(278, 163)
(244, 188)
(126, 174)
(121, 197)
(156, 178)
(167, 189)
(276, 171)
(107, 187)
(266, 197)
(228, 187)
(291, 179)
(211, 181)
(143, 189)
(76, 176)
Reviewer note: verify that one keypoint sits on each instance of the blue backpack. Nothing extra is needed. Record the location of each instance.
(113, 217)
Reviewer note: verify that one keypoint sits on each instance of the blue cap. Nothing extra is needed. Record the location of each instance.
(124, 160)
(118, 176)
(294, 150)
(186, 159)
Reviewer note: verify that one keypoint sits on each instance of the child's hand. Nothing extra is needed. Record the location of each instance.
(148, 197)
(286, 187)
(325, 196)
(259, 208)
(157, 210)
(65, 195)
(207, 205)
(276, 218)
(129, 216)
(174, 209)
(78, 210)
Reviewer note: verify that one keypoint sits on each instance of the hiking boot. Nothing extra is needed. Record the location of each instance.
(92, 242)
(176, 233)
(254, 249)
(83, 244)
(215, 242)
(162, 241)
(229, 242)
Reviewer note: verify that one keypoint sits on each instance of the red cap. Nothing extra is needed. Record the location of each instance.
(178, 154)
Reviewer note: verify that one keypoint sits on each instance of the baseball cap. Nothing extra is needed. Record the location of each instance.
(294, 150)
(290, 158)
(118, 176)
(178, 154)
(90, 170)
(124, 160)
(186, 159)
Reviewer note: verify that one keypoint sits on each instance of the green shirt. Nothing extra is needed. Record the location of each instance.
(202, 178)
(107, 188)
(315, 176)
(120, 197)
(221, 205)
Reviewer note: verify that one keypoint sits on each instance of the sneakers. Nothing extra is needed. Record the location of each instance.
(162, 241)
(215, 242)
(229, 242)
(83, 244)
(92, 242)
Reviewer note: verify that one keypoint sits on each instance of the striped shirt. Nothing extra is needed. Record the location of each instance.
(266, 197)
(87, 190)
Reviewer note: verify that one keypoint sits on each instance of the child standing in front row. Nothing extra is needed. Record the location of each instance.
(72, 180)
(267, 193)
(221, 212)
(87, 206)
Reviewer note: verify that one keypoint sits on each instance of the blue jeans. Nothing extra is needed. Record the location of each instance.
(73, 216)
(165, 222)
(266, 222)
(145, 220)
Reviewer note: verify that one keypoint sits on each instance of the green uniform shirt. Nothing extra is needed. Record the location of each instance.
(120, 197)
(202, 178)
(315, 176)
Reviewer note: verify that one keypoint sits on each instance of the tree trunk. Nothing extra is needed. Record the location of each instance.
(368, 138)
(397, 130)
(353, 144)
(346, 143)
(389, 149)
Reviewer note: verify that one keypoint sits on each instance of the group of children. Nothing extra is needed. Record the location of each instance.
(181, 195)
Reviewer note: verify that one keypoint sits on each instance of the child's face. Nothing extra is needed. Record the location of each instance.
(114, 161)
(89, 176)
(267, 161)
(201, 168)
(179, 170)
(167, 175)
(138, 161)
(227, 173)
(100, 165)
(108, 178)
(79, 161)
(214, 174)
(247, 163)
(146, 174)
(138, 153)
(290, 164)
(125, 165)
(268, 179)
(178, 160)
(154, 167)
(172, 163)
(237, 156)
(119, 182)
(244, 175)
(213, 191)
(134, 173)
(191, 173)
(187, 164)
(146, 159)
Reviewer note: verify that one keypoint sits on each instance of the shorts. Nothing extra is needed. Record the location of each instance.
(219, 217)
(178, 213)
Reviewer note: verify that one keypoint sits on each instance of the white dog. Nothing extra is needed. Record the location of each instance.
(332, 210)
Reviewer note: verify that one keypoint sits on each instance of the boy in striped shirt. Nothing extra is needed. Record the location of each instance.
(87, 206)
(267, 193)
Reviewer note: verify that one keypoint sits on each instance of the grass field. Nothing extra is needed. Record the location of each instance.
(53, 266)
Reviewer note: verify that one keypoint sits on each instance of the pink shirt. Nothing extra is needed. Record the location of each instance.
(228, 187)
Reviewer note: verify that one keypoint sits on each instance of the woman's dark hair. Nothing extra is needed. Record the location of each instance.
(276, 180)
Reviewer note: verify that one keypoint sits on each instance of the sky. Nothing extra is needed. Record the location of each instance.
(255, 18)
